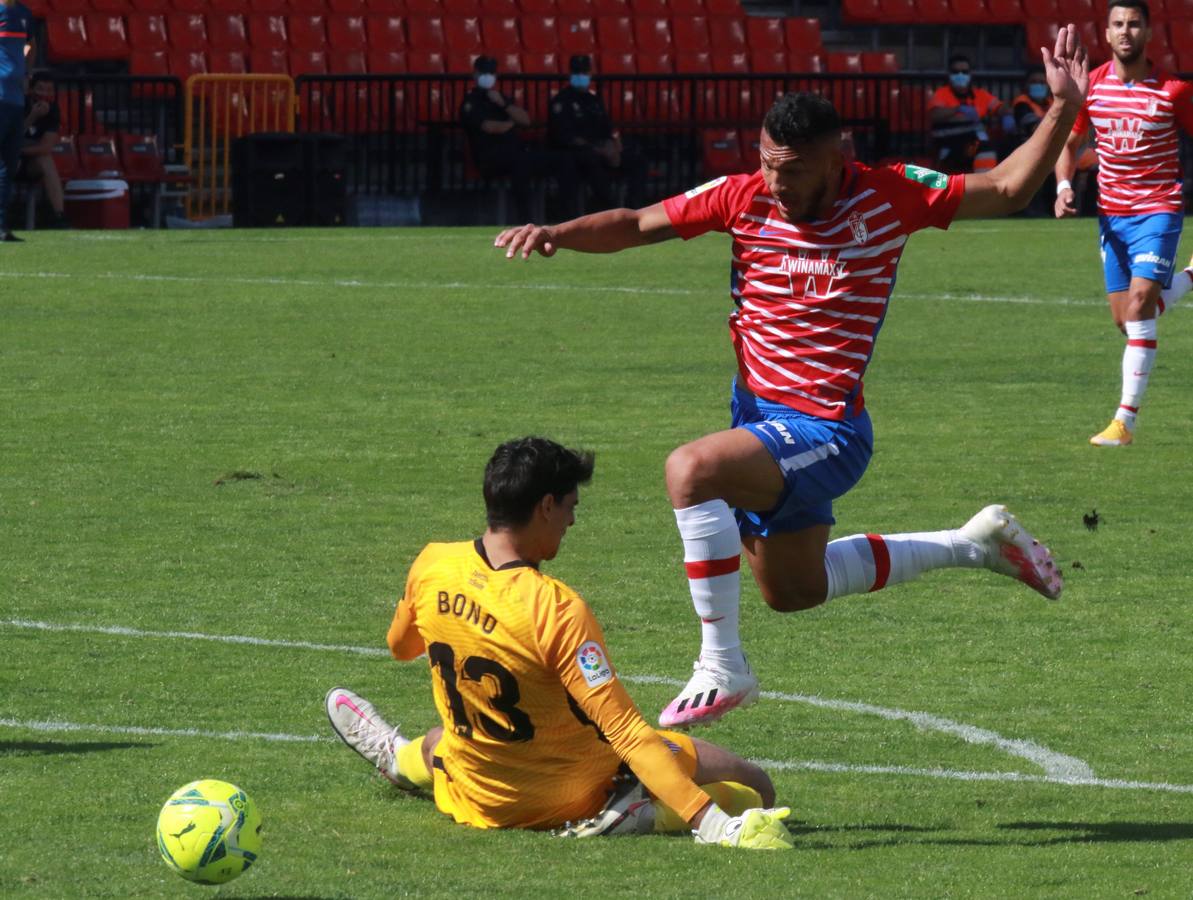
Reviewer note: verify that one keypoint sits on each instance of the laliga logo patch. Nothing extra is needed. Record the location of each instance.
(857, 224)
(707, 186)
(593, 665)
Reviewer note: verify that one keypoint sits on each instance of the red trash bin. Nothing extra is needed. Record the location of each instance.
(97, 203)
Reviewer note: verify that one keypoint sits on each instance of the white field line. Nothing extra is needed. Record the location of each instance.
(1059, 769)
(52, 725)
(482, 289)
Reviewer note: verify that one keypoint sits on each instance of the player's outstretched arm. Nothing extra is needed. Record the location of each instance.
(603, 232)
(1010, 185)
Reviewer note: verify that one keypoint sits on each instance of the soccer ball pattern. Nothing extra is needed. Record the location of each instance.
(209, 831)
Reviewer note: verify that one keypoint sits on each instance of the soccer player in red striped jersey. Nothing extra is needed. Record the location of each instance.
(1134, 109)
(816, 241)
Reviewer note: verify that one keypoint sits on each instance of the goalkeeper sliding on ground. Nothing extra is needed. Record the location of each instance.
(538, 731)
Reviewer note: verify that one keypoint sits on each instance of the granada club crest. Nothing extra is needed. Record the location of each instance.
(857, 224)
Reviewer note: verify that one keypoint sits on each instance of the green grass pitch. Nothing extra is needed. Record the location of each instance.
(252, 434)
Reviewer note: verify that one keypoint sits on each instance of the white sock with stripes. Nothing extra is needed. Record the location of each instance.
(870, 562)
(1138, 356)
(1182, 283)
(712, 558)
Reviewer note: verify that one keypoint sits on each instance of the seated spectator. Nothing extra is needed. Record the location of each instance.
(962, 117)
(492, 122)
(42, 121)
(579, 124)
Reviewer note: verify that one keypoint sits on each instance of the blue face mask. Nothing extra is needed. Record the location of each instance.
(1037, 92)
(581, 82)
(959, 80)
(486, 81)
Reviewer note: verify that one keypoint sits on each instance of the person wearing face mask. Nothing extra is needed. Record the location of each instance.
(492, 121)
(961, 115)
(579, 125)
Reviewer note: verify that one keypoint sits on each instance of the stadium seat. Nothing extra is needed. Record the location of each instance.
(1083, 11)
(119, 7)
(615, 34)
(612, 8)
(1040, 34)
(189, 6)
(347, 62)
(500, 34)
(346, 32)
(725, 8)
(621, 100)
(656, 8)
(185, 63)
(544, 63)
(689, 8)
(458, 63)
(424, 8)
(66, 38)
(693, 62)
(878, 62)
(307, 62)
(142, 162)
(308, 7)
(98, 156)
(385, 32)
(149, 63)
(730, 62)
(803, 62)
(267, 31)
(577, 36)
(348, 7)
(538, 7)
(861, 10)
(78, 112)
(727, 34)
(227, 62)
(1004, 11)
(767, 61)
(383, 60)
(652, 35)
(656, 63)
(507, 61)
(463, 36)
(268, 61)
(1041, 12)
(500, 8)
(970, 12)
(425, 33)
(802, 34)
(691, 34)
(899, 11)
(147, 31)
(1180, 9)
(227, 31)
(844, 63)
(766, 33)
(66, 158)
(155, 6)
(466, 8)
(187, 31)
(540, 34)
(307, 32)
(578, 9)
(106, 37)
(72, 7)
(426, 62)
(721, 152)
(617, 62)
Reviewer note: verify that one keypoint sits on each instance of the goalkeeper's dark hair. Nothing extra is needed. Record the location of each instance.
(522, 472)
(1140, 5)
(800, 118)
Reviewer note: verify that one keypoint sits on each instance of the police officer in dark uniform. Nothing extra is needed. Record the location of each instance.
(579, 124)
(492, 122)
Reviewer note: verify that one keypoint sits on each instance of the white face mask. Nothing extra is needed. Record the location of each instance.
(486, 81)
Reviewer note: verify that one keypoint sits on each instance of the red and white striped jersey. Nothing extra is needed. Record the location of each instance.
(1135, 125)
(812, 296)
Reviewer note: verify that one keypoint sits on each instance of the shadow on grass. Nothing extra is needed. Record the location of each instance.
(29, 748)
(1107, 832)
(1016, 834)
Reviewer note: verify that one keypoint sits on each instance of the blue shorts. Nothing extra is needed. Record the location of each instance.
(821, 459)
(1138, 247)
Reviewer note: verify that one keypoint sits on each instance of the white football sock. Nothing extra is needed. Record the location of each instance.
(1182, 283)
(712, 559)
(870, 562)
(1138, 356)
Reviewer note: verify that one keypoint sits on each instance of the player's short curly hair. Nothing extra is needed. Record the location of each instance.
(800, 117)
(522, 472)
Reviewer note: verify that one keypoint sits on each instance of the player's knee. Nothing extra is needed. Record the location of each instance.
(1141, 304)
(793, 597)
(687, 472)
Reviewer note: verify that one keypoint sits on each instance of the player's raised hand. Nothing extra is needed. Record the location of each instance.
(526, 239)
(1067, 66)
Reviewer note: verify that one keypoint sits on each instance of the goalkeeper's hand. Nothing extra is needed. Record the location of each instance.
(754, 829)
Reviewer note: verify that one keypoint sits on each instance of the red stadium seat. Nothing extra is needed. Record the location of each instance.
(147, 31)
(424, 8)
(72, 7)
(1084, 11)
(1041, 12)
(1181, 34)
(727, 34)
(385, 32)
(546, 63)
(538, 7)
(843, 63)
(229, 62)
(106, 37)
(347, 62)
(579, 9)
(656, 63)
(899, 10)
(615, 34)
(970, 11)
(149, 62)
(652, 35)
(765, 33)
(119, 7)
(269, 61)
(767, 61)
(617, 62)
(730, 62)
(500, 8)
(725, 8)
(507, 61)
(307, 32)
(454, 61)
(622, 102)
(1180, 9)
(803, 62)
(1005, 11)
(426, 62)
(187, 31)
(66, 158)
(227, 31)
(466, 8)
(308, 62)
(500, 34)
(877, 62)
(425, 33)
(349, 7)
(190, 6)
(934, 11)
(157, 6)
(185, 63)
(689, 8)
(656, 8)
(540, 34)
(463, 36)
(384, 60)
(98, 156)
(803, 34)
(267, 32)
(1040, 34)
(346, 32)
(693, 62)
(66, 38)
(577, 36)
(691, 34)
(862, 11)
(308, 7)
(612, 8)
(721, 152)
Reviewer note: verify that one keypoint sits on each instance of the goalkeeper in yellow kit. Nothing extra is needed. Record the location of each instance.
(538, 731)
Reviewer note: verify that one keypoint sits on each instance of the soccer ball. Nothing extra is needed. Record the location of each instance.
(209, 831)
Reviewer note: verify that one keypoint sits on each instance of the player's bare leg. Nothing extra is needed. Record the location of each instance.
(1134, 312)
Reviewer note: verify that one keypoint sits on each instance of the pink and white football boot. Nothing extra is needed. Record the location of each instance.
(1012, 551)
(708, 695)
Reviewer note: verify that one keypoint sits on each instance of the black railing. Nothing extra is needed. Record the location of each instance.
(143, 105)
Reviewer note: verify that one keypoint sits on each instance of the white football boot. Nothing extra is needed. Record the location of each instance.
(359, 726)
(628, 811)
(708, 695)
(1011, 550)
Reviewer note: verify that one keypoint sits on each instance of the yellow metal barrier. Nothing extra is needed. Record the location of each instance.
(219, 109)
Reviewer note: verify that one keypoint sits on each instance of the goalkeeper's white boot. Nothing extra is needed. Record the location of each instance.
(1011, 550)
(709, 694)
(628, 811)
(359, 726)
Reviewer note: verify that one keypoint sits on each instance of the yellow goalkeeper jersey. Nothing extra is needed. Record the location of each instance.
(536, 722)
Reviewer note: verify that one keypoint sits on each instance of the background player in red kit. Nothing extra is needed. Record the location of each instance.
(1134, 109)
(816, 242)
